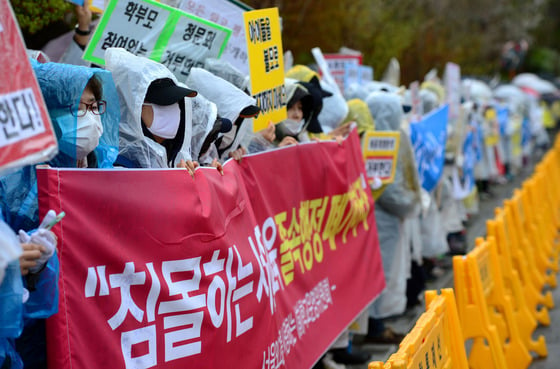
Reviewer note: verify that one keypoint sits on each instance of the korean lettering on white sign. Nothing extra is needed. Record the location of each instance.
(20, 117)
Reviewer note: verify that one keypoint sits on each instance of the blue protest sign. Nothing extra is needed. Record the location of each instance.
(503, 118)
(525, 132)
(428, 138)
(471, 155)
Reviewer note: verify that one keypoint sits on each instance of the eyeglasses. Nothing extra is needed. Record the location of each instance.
(97, 107)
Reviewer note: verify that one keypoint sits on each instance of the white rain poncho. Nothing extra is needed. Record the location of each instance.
(334, 109)
(535, 86)
(476, 90)
(485, 168)
(225, 70)
(204, 116)
(429, 100)
(434, 240)
(399, 201)
(231, 101)
(133, 75)
(533, 82)
(519, 106)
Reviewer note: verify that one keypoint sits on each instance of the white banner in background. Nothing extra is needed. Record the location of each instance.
(228, 14)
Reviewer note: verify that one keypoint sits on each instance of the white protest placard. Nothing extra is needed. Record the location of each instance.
(159, 32)
(452, 83)
(337, 66)
(351, 75)
(417, 109)
(26, 134)
(191, 47)
(366, 73)
(325, 70)
(228, 13)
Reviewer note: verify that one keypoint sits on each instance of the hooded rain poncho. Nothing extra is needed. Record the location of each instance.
(400, 200)
(62, 86)
(230, 100)
(133, 75)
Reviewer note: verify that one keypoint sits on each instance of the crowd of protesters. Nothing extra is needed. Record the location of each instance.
(136, 114)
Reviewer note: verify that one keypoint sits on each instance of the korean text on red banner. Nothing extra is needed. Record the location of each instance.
(240, 270)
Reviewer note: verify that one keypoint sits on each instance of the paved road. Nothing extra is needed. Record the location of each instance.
(476, 227)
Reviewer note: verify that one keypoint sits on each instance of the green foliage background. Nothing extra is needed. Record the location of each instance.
(35, 15)
(421, 34)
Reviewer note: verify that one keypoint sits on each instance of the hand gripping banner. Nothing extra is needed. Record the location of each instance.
(262, 267)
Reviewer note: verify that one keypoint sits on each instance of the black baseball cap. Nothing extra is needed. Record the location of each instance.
(164, 91)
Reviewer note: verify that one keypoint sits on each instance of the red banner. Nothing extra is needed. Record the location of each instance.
(26, 135)
(262, 267)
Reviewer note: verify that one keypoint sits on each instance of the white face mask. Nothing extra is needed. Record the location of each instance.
(293, 127)
(88, 132)
(166, 120)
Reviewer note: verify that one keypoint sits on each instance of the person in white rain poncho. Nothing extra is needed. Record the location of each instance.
(233, 104)
(156, 113)
(399, 203)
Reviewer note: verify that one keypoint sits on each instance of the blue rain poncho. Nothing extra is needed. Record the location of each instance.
(11, 294)
(62, 86)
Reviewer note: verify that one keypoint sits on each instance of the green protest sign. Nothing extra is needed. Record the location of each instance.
(147, 28)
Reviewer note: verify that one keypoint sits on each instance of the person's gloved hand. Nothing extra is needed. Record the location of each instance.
(376, 183)
(43, 240)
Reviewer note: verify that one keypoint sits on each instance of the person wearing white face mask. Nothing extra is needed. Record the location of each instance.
(291, 130)
(86, 129)
(163, 117)
(155, 127)
(300, 109)
(89, 127)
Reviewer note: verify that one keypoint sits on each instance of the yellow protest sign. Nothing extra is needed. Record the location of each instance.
(266, 65)
(493, 136)
(380, 150)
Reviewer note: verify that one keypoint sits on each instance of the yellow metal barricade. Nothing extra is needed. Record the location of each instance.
(524, 263)
(530, 251)
(486, 311)
(525, 316)
(530, 221)
(435, 342)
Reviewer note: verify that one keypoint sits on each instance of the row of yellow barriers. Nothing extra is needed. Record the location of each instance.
(498, 299)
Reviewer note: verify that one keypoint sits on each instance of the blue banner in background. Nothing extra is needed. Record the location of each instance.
(471, 154)
(525, 132)
(428, 138)
(77, 2)
(502, 114)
